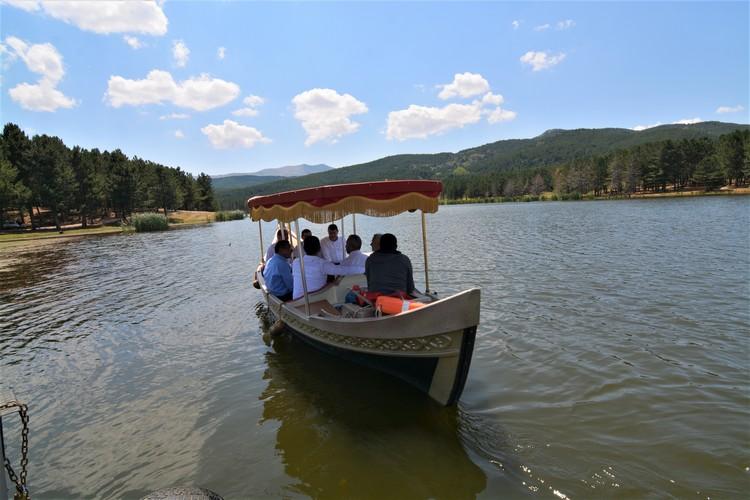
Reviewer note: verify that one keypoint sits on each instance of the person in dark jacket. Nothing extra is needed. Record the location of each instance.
(388, 270)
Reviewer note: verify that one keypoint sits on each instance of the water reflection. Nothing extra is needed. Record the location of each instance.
(29, 266)
(350, 432)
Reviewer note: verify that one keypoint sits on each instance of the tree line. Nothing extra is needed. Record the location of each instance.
(664, 166)
(81, 185)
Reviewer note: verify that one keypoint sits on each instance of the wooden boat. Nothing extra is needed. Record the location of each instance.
(429, 347)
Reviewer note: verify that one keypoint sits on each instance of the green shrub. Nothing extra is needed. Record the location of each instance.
(149, 222)
(229, 215)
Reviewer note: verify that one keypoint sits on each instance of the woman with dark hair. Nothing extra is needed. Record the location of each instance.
(387, 269)
(317, 269)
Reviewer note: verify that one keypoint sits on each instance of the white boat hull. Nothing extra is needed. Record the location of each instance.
(430, 347)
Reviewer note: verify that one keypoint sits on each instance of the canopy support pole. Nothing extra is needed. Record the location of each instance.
(262, 249)
(343, 241)
(424, 247)
(302, 267)
(354, 223)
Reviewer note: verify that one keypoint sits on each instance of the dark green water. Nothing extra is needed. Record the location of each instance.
(612, 360)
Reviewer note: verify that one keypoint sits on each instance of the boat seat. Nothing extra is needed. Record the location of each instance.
(321, 308)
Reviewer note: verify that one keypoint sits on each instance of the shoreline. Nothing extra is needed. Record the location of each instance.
(547, 197)
(20, 240)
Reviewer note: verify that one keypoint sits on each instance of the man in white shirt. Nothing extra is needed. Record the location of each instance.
(332, 247)
(355, 258)
(304, 234)
(317, 269)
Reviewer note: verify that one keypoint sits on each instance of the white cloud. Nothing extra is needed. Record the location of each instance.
(464, 85)
(325, 114)
(40, 97)
(180, 52)
(541, 60)
(516, 24)
(174, 116)
(688, 121)
(498, 115)
(419, 122)
(102, 17)
(566, 24)
(134, 42)
(221, 53)
(251, 102)
(684, 121)
(638, 128)
(490, 98)
(542, 27)
(730, 109)
(178, 134)
(245, 112)
(199, 93)
(44, 60)
(27, 5)
(233, 135)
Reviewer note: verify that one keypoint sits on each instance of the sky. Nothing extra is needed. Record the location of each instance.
(222, 87)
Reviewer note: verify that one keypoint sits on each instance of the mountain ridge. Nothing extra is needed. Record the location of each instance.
(554, 146)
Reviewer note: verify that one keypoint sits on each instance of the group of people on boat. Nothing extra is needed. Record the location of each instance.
(387, 270)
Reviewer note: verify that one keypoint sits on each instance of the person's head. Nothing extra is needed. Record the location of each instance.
(388, 243)
(283, 248)
(333, 232)
(305, 234)
(282, 234)
(353, 242)
(375, 243)
(311, 245)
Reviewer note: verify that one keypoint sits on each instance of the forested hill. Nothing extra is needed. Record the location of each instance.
(551, 148)
(242, 180)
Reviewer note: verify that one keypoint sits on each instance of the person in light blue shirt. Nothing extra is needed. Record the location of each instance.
(278, 272)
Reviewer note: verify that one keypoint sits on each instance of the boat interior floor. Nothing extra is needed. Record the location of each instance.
(321, 307)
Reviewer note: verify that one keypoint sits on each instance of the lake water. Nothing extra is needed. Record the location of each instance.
(612, 360)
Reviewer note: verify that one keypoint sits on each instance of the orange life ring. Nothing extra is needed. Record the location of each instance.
(395, 305)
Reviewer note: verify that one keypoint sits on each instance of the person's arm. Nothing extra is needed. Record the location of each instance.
(409, 276)
(286, 276)
(333, 269)
(325, 250)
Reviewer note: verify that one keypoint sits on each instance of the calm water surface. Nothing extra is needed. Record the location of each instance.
(611, 361)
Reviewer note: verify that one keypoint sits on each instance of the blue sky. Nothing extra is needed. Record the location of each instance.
(345, 83)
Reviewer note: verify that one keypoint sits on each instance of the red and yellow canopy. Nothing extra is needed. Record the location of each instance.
(328, 203)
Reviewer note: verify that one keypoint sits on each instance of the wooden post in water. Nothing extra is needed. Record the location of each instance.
(302, 267)
(424, 247)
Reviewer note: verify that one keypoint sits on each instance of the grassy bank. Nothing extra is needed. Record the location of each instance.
(17, 240)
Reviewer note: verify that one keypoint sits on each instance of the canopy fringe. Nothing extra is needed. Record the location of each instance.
(346, 206)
